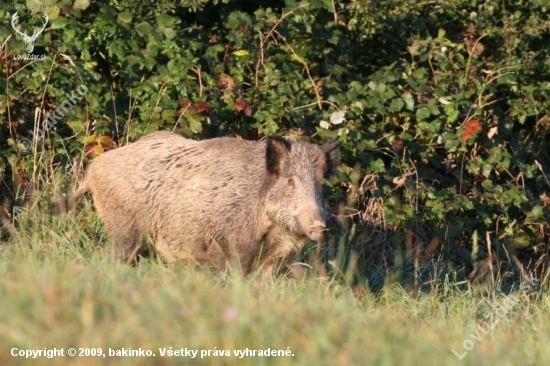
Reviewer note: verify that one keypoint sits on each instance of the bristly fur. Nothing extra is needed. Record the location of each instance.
(332, 157)
(277, 149)
(5, 222)
(215, 201)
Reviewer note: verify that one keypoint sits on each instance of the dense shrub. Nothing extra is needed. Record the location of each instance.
(440, 106)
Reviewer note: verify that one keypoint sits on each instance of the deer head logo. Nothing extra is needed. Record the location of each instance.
(29, 41)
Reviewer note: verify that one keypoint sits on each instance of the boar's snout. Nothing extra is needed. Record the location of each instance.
(315, 231)
(312, 223)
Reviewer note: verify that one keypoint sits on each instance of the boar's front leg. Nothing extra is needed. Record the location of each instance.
(279, 248)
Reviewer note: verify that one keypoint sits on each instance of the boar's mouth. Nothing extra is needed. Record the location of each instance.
(315, 230)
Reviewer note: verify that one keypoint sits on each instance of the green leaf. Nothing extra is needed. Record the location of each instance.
(372, 85)
(537, 212)
(452, 113)
(451, 141)
(169, 33)
(487, 184)
(241, 53)
(125, 16)
(422, 113)
(434, 109)
(377, 166)
(396, 105)
(165, 21)
(59, 23)
(232, 23)
(419, 73)
(486, 170)
(81, 4)
(144, 29)
(409, 101)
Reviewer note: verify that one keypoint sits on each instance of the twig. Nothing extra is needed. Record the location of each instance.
(198, 72)
(269, 34)
(334, 13)
(161, 91)
(310, 104)
(542, 171)
(470, 56)
(225, 55)
(315, 88)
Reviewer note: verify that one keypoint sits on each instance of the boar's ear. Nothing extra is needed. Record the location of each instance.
(277, 149)
(332, 156)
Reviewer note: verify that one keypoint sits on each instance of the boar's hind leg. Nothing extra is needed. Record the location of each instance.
(120, 225)
(126, 240)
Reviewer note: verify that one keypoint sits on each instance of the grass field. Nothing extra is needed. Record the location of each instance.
(61, 288)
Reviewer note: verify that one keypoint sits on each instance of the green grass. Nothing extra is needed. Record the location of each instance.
(61, 288)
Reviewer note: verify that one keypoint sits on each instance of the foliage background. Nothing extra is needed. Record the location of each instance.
(440, 108)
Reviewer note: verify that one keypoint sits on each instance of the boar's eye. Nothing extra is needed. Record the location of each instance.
(291, 182)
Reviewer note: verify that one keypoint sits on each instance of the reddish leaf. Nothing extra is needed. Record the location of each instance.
(184, 103)
(243, 105)
(201, 106)
(197, 107)
(471, 128)
(96, 144)
(398, 145)
(224, 81)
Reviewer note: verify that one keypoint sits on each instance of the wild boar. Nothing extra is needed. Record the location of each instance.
(219, 201)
